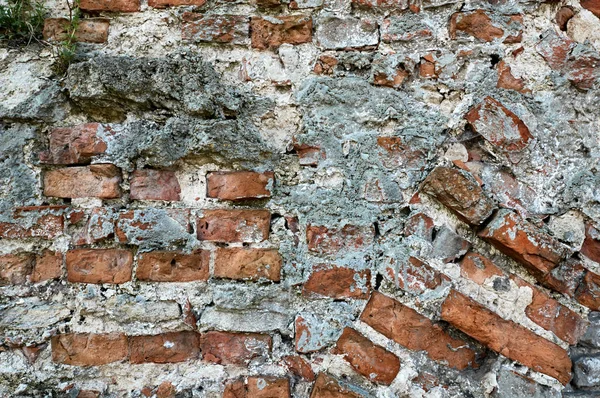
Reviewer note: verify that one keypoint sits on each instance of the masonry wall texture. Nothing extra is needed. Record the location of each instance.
(305, 198)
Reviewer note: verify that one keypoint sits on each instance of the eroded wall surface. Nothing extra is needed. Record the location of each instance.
(315, 198)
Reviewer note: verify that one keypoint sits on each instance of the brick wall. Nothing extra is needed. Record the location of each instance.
(307, 198)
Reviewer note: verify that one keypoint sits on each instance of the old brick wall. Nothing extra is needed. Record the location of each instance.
(306, 198)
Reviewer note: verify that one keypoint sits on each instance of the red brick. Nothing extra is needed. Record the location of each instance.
(247, 263)
(459, 191)
(326, 240)
(98, 180)
(46, 222)
(99, 265)
(234, 29)
(588, 292)
(272, 32)
(582, 68)
(370, 360)
(427, 69)
(328, 387)
(478, 268)
(234, 225)
(506, 79)
(308, 155)
(258, 387)
(48, 265)
(299, 367)
(234, 348)
(110, 5)
(498, 125)
(416, 332)
(171, 3)
(395, 79)
(565, 278)
(543, 310)
(413, 275)
(85, 349)
(88, 31)
(166, 390)
(88, 394)
(521, 240)
(149, 184)
(164, 348)
(591, 244)
(338, 282)
(15, 268)
(477, 24)
(591, 5)
(555, 49)
(325, 65)
(238, 185)
(396, 153)
(99, 227)
(563, 15)
(506, 337)
(135, 226)
(173, 266)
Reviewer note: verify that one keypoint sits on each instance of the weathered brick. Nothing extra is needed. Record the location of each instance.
(85, 349)
(234, 29)
(271, 32)
(247, 263)
(506, 337)
(565, 278)
(416, 332)
(149, 184)
(299, 367)
(324, 240)
(137, 226)
(404, 28)
(110, 5)
(258, 387)
(370, 360)
(396, 153)
(48, 265)
(381, 4)
(15, 268)
(498, 125)
(338, 282)
(506, 79)
(591, 244)
(173, 266)
(164, 348)
(325, 65)
(99, 227)
(543, 310)
(173, 3)
(588, 292)
(238, 185)
(413, 275)
(313, 332)
(98, 180)
(88, 31)
(591, 5)
(335, 33)
(477, 24)
(268, 387)
(524, 242)
(234, 225)
(327, 387)
(45, 222)
(555, 49)
(234, 348)
(99, 265)
(459, 191)
(553, 316)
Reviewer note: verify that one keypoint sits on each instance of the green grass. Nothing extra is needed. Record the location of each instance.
(66, 50)
(21, 21)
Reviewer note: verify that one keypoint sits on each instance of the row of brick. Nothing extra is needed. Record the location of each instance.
(546, 258)
(387, 316)
(271, 32)
(116, 266)
(103, 181)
